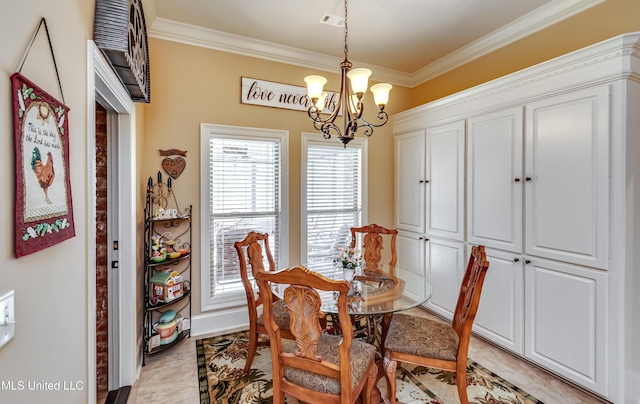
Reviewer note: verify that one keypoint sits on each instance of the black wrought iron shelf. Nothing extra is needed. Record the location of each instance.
(158, 228)
(184, 334)
(168, 219)
(152, 263)
(158, 306)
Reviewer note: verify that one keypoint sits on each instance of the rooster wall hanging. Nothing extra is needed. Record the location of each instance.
(43, 208)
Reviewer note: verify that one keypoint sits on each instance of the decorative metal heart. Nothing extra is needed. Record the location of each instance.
(174, 166)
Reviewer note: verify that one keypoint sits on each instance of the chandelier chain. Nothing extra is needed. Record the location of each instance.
(346, 30)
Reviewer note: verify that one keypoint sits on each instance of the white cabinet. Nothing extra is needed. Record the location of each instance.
(445, 263)
(494, 179)
(445, 180)
(501, 311)
(567, 177)
(552, 177)
(410, 248)
(409, 181)
(565, 313)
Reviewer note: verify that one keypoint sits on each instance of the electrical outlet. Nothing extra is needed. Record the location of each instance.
(7, 318)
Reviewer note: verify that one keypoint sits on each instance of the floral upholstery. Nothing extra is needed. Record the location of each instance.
(422, 337)
(280, 315)
(361, 355)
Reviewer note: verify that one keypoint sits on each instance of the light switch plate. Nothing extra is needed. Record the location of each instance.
(7, 318)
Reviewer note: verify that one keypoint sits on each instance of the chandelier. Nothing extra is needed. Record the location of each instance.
(350, 100)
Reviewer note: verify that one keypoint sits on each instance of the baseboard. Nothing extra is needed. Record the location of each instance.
(119, 396)
(220, 322)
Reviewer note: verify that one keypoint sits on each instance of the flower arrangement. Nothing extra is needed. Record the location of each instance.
(349, 258)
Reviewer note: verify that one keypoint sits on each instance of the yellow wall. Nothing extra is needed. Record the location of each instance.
(604, 21)
(192, 85)
(51, 336)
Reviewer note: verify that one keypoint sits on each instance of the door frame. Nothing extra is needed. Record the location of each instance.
(104, 86)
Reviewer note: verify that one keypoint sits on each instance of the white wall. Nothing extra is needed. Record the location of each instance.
(51, 342)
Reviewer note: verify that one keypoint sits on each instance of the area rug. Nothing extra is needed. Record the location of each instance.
(221, 360)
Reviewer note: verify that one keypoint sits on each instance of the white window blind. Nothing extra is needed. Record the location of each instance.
(245, 194)
(334, 199)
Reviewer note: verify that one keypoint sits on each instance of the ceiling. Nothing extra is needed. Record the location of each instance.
(409, 41)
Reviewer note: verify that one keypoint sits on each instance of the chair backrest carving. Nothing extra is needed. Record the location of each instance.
(303, 305)
(372, 244)
(250, 250)
(470, 291)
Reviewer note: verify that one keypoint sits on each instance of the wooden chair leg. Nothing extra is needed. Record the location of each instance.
(390, 367)
(370, 383)
(461, 382)
(253, 347)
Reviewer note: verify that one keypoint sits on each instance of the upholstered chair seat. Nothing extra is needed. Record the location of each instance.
(421, 336)
(361, 355)
(280, 315)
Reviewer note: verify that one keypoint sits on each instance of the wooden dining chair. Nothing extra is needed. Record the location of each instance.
(372, 244)
(251, 249)
(319, 367)
(430, 343)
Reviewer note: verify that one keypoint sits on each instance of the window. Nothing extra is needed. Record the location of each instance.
(243, 189)
(333, 197)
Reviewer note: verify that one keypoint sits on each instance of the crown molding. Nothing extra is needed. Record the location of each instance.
(538, 19)
(617, 58)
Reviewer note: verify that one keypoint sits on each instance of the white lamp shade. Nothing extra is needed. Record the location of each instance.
(315, 84)
(359, 79)
(321, 100)
(381, 93)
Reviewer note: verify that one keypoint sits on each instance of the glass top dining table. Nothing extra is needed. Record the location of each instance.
(375, 291)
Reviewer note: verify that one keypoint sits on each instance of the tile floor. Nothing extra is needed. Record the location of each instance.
(171, 377)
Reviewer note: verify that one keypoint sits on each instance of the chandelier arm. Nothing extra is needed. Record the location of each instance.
(382, 116)
(327, 127)
(316, 117)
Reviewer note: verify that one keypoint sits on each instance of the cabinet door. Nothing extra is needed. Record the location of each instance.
(567, 169)
(410, 249)
(409, 180)
(445, 180)
(494, 180)
(565, 324)
(500, 315)
(445, 262)
(410, 265)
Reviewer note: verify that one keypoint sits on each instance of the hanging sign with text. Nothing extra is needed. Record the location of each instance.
(278, 95)
(43, 209)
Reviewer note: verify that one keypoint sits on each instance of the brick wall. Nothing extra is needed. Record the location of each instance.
(102, 325)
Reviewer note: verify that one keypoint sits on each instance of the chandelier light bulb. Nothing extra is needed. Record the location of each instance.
(359, 79)
(320, 103)
(381, 93)
(315, 84)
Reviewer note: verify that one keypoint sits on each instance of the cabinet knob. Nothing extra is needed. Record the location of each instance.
(528, 179)
(517, 179)
(422, 181)
(527, 261)
(426, 181)
(426, 239)
(516, 260)
(420, 238)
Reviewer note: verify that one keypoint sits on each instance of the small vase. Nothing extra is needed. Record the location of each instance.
(348, 273)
